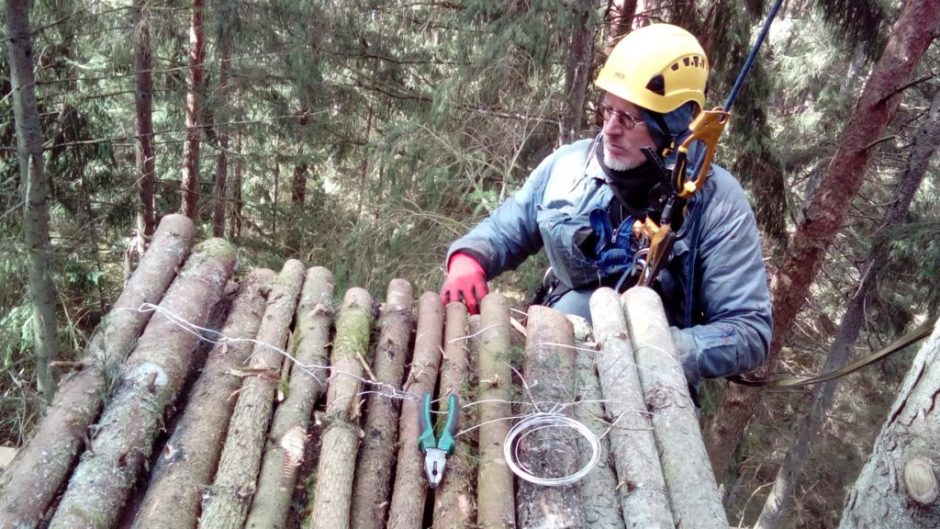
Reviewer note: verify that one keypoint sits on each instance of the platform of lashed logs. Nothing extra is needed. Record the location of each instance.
(304, 411)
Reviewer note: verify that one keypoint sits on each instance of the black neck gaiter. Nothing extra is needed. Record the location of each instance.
(633, 185)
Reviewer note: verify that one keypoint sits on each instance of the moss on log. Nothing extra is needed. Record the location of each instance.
(495, 499)
(189, 458)
(151, 380)
(57, 439)
(410, 492)
(550, 376)
(333, 493)
(288, 439)
(641, 487)
(693, 494)
(373, 483)
(226, 503)
(455, 497)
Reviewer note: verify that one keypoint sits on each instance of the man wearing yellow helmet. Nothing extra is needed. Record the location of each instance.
(580, 204)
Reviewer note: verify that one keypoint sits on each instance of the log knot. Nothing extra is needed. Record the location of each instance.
(920, 481)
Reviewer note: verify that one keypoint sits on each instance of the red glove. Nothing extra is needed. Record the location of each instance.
(465, 282)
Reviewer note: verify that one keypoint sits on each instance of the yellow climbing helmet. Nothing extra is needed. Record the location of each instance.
(658, 67)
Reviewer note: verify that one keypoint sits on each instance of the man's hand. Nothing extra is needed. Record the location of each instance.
(466, 282)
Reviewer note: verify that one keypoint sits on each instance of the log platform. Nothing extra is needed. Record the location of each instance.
(305, 411)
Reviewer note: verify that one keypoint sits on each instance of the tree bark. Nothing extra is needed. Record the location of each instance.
(35, 192)
(496, 508)
(190, 456)
(693, 494)
(226, 503)
(619, 20)
(641, 487)
(333, 493)
(226, 42)
(776, 508)
(549, 375)
(298, 185)
(410, 492)
(60, 434)
(150, 381)
(235, 231)
(897, 487)
(825, 213)
(577, 69)
(455, 497)
(143, 103)
(372, 490)
(598, 488)
(197, 54)
(285, 451)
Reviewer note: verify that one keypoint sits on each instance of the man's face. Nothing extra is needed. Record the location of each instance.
(623, 144)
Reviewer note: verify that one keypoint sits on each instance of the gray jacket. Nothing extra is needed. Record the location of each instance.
(714, 288)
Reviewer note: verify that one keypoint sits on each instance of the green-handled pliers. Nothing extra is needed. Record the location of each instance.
(436, 449)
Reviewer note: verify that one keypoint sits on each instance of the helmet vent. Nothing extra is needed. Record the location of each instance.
(675, 66)
(657, 85)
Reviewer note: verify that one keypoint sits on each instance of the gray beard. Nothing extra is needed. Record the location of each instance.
(619, 164)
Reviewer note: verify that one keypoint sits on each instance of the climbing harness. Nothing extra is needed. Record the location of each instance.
(910, 338)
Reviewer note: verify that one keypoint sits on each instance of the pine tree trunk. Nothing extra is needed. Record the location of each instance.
(235, 231)
(59, 435)
(598, 488)
(333, 493)
(197, 54)
(455, 497)
(143, 103)
(549, 374)
(693, 494)
(410, 491)
(641, 487)
(288, 437)
(777, 507)
(221, 160)
(372, 489)
(190, 456)
(897, 487)
(619, 20)
(151, 379)
(226, 503)
(496, 508)
(298, 185)
(825, 213)
(35, 192)
(577, 69)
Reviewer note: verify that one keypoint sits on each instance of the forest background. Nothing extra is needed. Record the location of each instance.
(365, 136)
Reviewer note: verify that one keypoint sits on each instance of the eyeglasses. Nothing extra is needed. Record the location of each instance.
(624, 119)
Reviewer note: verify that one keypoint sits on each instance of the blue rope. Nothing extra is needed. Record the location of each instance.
(752, 56)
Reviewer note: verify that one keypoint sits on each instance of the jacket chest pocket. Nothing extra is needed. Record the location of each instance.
(562, 234)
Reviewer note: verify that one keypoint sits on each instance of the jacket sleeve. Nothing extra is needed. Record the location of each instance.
(510, 234)
(732, 294)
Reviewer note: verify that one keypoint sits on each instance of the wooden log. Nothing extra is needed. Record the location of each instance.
(373, 483)
(190, 456)
(496, 508)
(641, 487)
(455, 497)
(225, 504)
(410, 492)
(150, 381)
(333, 492)
(288, 437)
(693, 494)
(549, 452)
(59, 435)
(599, 486)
